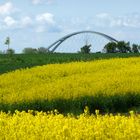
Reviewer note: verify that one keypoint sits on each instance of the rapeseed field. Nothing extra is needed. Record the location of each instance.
(75, 91)
(101, 84)
(54, 126)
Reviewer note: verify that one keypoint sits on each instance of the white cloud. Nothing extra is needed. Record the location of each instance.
(45, 18)
(40, 23)
(107, 20)
(9, 21)
(40, 29)
(45, 23)
(36, 2)
(6, 9)
(55, 29)
(26, 21)
(119, 34)
(52, 29)
(103, 16)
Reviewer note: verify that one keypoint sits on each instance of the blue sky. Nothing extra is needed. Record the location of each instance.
(36, 23)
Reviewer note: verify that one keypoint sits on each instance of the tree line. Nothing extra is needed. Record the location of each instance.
(115, 47)
(121, 47)
(111, 47)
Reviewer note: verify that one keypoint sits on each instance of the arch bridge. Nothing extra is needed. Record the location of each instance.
(56, 44)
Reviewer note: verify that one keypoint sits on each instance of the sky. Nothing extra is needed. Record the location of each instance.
(37, 23)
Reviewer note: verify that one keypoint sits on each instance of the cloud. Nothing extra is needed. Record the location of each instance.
(36, 2)
(50, 29)
(55, 29)
(40, 29)
(26, 21)
(107, 20)
(103, 16)
(6, 9)
(45, 18)
(40, 23)
(9, 21)
(45, 23)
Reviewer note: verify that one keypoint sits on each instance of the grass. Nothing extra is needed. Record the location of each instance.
(18, 61)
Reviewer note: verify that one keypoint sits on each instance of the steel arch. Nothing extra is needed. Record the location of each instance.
(59, 41)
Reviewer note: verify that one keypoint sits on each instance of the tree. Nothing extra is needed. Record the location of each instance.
(135, 48)
(86, 49)
(29, 51)
(42, 50)
(110, 47)
(10, 51)
(1, 52)
(139, 48)
(123, 47)
(7, 42)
